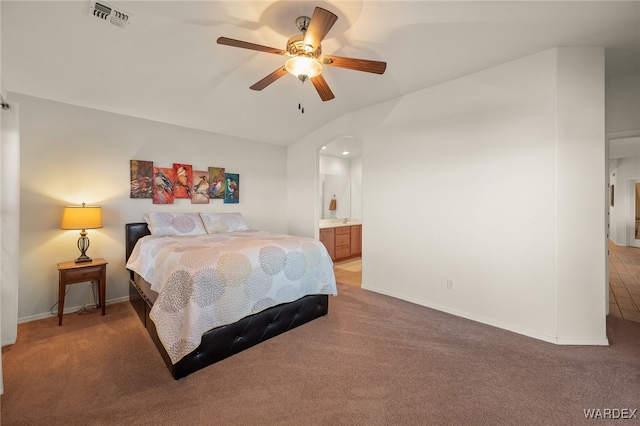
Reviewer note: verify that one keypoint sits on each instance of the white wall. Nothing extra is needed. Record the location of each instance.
(623, 104)
(73, 154)
(356, 188)
(581, 192)
(474, 194)
(10, 220)
(334, 166)
(1, 260)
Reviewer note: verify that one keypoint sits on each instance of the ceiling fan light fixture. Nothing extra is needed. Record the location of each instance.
(305, 53)
(303, 67)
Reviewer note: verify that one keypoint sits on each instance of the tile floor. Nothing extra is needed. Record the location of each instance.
(351, 265)
(624, 282)
(349, 271)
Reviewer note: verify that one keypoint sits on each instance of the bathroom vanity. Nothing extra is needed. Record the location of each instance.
(342, 240)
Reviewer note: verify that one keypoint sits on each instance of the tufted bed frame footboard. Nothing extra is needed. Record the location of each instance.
(222, 342)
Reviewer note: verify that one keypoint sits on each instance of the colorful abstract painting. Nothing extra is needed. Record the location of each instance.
(232, 192)
(183, 180)
(141, 179)
(200, 192)
(217, 183)
(163, 179)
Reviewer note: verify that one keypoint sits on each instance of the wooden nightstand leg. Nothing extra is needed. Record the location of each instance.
(61, 292)
(103, 287)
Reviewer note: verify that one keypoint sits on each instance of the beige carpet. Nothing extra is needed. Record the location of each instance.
(373, 360)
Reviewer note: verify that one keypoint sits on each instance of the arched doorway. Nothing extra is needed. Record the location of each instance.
(340, 205)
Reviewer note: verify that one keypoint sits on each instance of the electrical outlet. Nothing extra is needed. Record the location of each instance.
(450, 284)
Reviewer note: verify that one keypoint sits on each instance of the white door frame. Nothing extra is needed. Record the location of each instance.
(619, 145)
(625, 202)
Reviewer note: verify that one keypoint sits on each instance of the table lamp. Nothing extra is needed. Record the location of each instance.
(83, 218)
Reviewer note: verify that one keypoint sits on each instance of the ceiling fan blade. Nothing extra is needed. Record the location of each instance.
(251, 46)
(322, 87)
(321, 22)
(376, 67)
(269, 79)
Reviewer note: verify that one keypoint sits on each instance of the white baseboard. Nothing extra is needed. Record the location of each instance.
(69, 310)
(498, 324)
(7, 342)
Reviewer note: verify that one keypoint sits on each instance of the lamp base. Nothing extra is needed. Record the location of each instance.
(83, 245)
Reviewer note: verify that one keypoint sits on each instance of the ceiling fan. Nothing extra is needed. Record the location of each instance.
(305, 52)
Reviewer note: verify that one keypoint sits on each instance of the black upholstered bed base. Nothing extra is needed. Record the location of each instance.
(222, 342)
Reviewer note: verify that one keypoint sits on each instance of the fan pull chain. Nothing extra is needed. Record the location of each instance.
(301, 103)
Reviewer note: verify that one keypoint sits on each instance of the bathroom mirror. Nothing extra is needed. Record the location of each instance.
(336, 188)
(340, 170)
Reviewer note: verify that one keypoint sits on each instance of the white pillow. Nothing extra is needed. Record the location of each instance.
(217, 223)
(165, 224)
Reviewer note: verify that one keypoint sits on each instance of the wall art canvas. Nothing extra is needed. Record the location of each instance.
(232, 193)
(141, 179)
(217, 183)
(163, 179)
(200, 192)
(183, 182)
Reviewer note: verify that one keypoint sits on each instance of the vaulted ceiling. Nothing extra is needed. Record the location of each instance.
(165, 65)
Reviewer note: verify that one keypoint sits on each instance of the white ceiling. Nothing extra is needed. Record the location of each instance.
(337, 147)
(166, 65)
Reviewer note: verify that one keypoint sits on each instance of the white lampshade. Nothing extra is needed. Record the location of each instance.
(303, 67)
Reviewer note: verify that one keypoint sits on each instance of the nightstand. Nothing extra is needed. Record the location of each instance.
(73, 273)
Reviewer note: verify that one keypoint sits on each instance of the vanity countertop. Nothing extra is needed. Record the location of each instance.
(337, 223)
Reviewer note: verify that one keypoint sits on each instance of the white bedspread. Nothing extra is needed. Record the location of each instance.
(206, 281)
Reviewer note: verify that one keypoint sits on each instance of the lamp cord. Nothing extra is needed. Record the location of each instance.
(83, 309)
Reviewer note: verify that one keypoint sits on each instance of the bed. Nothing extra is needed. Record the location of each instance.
(266, 317)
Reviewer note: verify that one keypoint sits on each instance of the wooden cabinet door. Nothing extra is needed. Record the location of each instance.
(343, 242)
(356, 240)
(328, 238)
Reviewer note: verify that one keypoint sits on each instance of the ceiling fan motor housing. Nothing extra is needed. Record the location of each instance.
(303, 23)
(296, 47)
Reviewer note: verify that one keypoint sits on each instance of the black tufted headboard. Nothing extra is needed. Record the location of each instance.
(134, 231)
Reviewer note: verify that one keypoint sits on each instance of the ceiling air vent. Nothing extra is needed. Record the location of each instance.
(109, 14)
